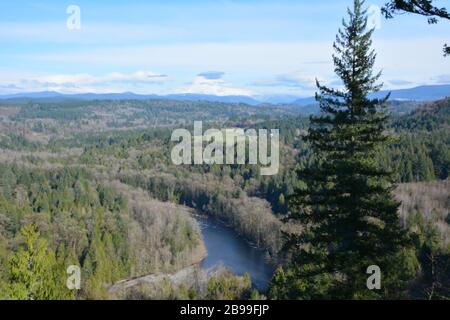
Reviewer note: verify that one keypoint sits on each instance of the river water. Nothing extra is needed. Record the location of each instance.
(226, 247)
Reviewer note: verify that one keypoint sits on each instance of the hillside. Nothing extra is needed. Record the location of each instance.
(422, 149)
(429, 117)
(66, 165)
(427, 202)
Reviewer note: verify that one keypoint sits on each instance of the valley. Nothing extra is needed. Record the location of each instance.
(97, 181)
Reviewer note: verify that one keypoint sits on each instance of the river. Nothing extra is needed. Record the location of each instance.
(226, 247)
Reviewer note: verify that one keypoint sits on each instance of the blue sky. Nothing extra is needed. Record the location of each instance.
(223, 47)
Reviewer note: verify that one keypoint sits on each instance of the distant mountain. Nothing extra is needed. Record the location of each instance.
(305, 101)
(213, 98)
(427, 117)
(277, 98)
(422, 93)
(33, 95)
(131, 96)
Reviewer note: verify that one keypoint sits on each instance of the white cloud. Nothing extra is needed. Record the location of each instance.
(217, 87)
(257, 59)
(442, 79)
(139, 82)
(298, 83)
(297, 79)
(84, 82)
(262, 66)
(213, 75)
(248, 57)
(77, 79)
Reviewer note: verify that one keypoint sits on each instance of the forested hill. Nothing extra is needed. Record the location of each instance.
(422, 152)
(429, 117)
(96, 179)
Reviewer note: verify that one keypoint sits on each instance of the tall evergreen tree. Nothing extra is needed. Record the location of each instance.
(347, 211)
(33, 272)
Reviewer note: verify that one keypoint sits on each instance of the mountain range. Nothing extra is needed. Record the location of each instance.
(421, 93)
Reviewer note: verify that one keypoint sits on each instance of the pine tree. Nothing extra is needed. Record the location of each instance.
(347, 210)
(33, 272)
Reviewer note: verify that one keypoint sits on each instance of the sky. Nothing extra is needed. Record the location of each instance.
(220, 47)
